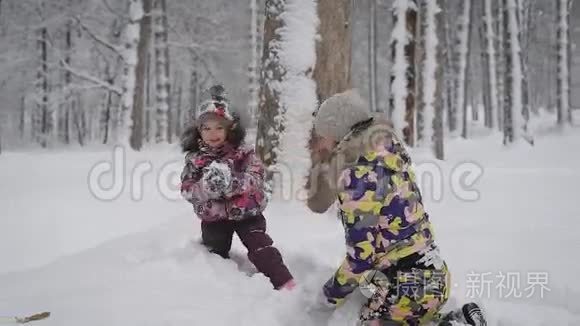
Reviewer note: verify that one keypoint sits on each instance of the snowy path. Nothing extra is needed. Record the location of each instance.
(137, 262)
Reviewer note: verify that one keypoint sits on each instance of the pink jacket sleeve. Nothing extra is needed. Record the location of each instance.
(246, 194)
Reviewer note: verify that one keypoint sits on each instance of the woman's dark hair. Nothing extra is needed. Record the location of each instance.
(191, 137)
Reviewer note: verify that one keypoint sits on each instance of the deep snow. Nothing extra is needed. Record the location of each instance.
(138, 262)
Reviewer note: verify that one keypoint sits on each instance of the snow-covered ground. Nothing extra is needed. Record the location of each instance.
(137, 261)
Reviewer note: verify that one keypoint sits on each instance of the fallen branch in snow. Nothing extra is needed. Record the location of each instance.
(24, 320)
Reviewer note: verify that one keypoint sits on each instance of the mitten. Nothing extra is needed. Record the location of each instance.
(216, 178)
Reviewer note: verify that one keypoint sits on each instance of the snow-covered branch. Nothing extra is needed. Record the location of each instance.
(114, 48)
(80, 73)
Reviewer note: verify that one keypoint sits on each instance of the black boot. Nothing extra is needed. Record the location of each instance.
(469, 314)
(473, 315)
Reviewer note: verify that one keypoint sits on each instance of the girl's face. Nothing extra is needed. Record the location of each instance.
(213, 133)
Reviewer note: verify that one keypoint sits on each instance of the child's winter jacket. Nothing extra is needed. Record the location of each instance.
(380, 204)
(243, 197)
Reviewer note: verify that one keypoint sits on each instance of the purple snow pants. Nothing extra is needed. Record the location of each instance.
(217, 237)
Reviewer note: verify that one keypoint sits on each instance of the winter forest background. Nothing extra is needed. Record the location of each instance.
(80, 72)
(94, 95)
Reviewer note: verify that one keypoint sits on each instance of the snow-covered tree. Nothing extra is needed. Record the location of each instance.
(515, 121)
(402, 101)
(431, 81)
(490, 72)
(288, 92)
(256, 43)
(271, 112)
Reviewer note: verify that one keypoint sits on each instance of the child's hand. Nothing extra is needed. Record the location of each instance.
(216, 178)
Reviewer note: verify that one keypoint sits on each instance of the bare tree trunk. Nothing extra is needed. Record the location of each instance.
(67, 82)
(490, 67)
(569, 63)
(463, 68)
(136, 139)
(500, 62)
(193, 93)
(107, 117)
(421, 66)
(372, 60)
(450, 75)
(178, 106)
(22, 117)
(430, 115)
(402, 101)
(124, 123)
(332, 72)
(148, 107)
(515, 121)
(270, 121)
(256, 42)
(485, 76)
(43, 88)
(162, 89)
(79, 120)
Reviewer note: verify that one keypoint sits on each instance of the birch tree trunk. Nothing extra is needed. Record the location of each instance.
(515, 120)
(564, 113)
(256, 42)
(490, 67)
(162, 81)
(124, 124)
(402, 101)
(501, 68)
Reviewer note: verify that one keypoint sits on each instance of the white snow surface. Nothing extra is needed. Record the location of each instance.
(138, 262)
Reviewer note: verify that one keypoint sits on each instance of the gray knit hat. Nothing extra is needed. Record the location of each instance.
(339, 113)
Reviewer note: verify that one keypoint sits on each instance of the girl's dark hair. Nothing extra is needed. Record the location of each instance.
(191, 137)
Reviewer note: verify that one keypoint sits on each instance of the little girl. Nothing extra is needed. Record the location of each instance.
(223, 180)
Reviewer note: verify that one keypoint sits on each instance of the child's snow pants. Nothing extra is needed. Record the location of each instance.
(407, 296)
(217, 237)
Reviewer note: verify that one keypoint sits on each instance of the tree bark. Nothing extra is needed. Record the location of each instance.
(463, 68)
(500, 62)
(136, 139)
(43, 88)
(332, 72)
(256, 42)
(270, 121)
(402, 105)
(162, 88)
